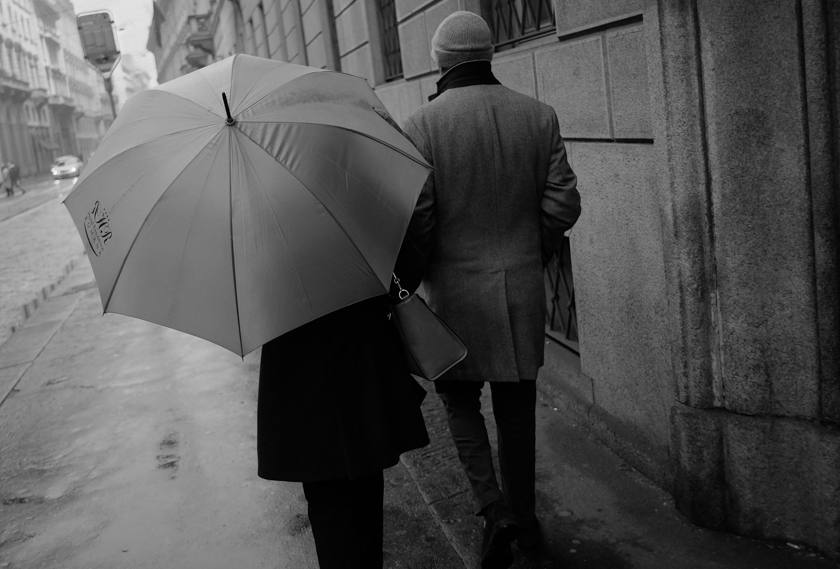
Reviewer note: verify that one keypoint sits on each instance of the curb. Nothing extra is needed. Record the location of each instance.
(29, 308)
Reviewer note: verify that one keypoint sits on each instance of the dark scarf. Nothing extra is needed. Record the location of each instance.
(466, 75)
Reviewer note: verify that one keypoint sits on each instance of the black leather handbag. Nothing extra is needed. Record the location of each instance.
(431, 347)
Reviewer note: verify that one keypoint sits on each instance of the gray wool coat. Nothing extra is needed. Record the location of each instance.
(500, 199)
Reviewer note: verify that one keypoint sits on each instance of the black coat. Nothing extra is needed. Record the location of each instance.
(336, 399)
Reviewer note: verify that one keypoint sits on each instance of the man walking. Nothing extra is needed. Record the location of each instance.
(499, 201)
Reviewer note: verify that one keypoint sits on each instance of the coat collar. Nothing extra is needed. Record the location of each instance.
(465, 75)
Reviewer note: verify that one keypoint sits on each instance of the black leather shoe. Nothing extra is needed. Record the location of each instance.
(530, 536)
(500, 529)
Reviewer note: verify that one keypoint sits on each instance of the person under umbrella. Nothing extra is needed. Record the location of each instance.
(260, 203)
(337, 406)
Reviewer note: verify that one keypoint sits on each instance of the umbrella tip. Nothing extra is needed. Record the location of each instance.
(229, 120)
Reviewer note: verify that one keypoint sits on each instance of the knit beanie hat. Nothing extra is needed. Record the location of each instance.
(461, 37)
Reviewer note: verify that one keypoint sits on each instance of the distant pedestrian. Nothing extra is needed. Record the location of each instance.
(14, 177)
(6, 180)
(500, 198)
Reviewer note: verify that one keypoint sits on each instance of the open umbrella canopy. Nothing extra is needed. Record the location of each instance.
(238, 228)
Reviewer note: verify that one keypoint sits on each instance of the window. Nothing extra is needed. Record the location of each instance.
(390, 39)
(514, 21)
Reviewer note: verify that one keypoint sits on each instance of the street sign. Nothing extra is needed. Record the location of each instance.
(99, 40)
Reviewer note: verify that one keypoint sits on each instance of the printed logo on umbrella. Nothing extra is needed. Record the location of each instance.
(98, 228)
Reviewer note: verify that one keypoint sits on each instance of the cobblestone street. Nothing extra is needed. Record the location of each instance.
(38, 245)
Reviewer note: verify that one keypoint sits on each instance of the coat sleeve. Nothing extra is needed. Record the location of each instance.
(561, 200)
(414, 254)
(421, 227)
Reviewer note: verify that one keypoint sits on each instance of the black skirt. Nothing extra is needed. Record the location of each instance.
(336, 399)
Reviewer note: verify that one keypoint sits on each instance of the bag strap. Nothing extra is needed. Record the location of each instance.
(402, 290)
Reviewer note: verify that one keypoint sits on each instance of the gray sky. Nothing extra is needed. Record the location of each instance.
(132, 18)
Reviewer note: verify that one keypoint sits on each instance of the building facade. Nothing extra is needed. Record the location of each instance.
(694, 310)
(51, 100)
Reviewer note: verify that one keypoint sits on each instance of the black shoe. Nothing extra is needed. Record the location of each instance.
(500, 529)
(530, 536)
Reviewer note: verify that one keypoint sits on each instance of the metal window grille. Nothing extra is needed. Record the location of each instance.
(513, 21)
(390, 39)
(561, 312)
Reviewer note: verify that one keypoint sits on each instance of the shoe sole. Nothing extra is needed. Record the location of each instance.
(499, 554)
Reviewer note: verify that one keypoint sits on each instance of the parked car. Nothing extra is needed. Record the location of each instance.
(66, 167)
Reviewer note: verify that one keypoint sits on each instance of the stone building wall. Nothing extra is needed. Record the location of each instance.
(297, 31)
(706, 262)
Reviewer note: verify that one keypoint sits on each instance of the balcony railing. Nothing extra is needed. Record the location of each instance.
(39, 96)
(201, 34)
(561, 313)
(514, 21)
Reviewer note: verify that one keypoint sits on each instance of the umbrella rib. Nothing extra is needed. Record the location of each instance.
(373, 138)
(136, 235)
(232, 246)
(338, 223)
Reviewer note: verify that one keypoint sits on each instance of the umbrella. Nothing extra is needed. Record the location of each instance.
(245, 199)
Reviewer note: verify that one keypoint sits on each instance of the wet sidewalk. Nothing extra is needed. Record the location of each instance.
(129, 445)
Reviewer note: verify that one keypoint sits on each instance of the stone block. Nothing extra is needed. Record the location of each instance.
(351, 28)
(316, 55)
(406, 8)
(824, 155)
(289, 21)
(410, 98)
(390, 98)
(578, 15)
(620, 286)
(305, 5)
(517, 73)
(758, 153)
(415, 47)
(570, 78)
(249, 41)
(763, 477)
(428, 87)
(359, 63)
(275, 44)
(311, 24)
(401, 99)
(293, 47)
(680, 128)
(248, 7)
(699, 468)
(272, 11)
(340, 5)
(629, 91)
(784, 479)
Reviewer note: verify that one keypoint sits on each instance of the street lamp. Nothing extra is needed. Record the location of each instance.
(99, 40)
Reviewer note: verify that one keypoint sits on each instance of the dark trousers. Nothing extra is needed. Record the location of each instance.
(346, 518)
(514, 410)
